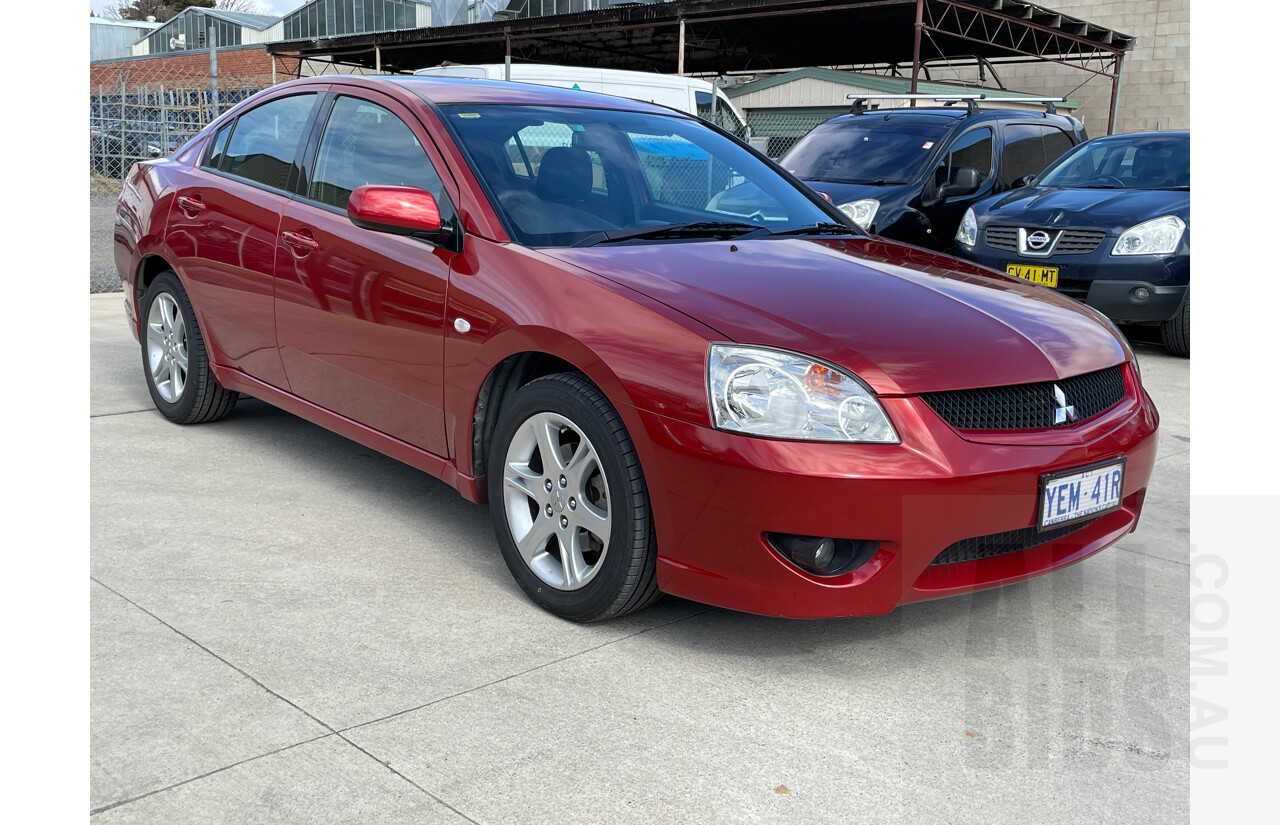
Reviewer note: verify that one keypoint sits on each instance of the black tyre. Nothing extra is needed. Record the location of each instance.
(174, 359)
(1176, 332)
(569, 502)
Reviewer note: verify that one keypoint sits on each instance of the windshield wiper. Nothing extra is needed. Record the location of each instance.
(822, 228)
(698, 229)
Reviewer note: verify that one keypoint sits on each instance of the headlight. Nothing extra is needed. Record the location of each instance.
(1156, 237)
(967, 234)
(780, 394)
(861, 212)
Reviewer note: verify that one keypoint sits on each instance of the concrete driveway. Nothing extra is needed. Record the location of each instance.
(288, 627)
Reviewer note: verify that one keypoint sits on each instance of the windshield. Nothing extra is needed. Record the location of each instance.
(562, 176)
(1143, 162)
(863, 149)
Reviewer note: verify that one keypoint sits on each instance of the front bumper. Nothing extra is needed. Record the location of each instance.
(715, 496)
(1104, 281)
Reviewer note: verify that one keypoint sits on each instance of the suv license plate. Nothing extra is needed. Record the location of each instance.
(1079, 494)
(1042, 275)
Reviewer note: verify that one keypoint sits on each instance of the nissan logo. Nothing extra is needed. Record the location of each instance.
(1038, 240)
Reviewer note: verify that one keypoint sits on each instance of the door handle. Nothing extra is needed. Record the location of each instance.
(300, 242)
(191, 205)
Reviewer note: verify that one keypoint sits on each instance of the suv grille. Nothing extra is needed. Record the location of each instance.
(1000, 544)
(1002, 237)
(1071, 242)
(1028, 406)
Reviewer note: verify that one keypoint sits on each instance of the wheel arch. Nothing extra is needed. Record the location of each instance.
(148, 268)
(521, 357)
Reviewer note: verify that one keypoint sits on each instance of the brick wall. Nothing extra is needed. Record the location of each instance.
(250, 65)
(1155, 90)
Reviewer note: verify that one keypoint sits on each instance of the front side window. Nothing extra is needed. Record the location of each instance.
(265, 140)
(363, 143)
(972, 150)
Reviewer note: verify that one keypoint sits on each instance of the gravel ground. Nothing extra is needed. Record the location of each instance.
(102, 209)
(102, 266)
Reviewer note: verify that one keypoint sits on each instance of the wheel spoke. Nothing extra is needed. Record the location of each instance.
(571, 560)
(594, 520)
(520, 483)
(532, 543)
(170, 309)
(578, 468)
(548, 435)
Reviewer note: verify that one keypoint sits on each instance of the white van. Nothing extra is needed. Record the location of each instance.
(687, 94)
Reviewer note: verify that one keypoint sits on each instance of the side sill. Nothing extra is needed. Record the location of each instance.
(470, 488)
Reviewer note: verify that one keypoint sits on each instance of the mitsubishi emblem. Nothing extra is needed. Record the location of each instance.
(1063, 413)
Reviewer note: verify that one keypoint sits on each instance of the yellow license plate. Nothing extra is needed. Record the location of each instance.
(1043, 275)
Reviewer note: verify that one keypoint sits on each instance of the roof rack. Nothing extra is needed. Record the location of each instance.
(970, 101)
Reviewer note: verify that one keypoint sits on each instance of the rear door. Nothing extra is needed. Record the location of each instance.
(360, 314)
(223, 231)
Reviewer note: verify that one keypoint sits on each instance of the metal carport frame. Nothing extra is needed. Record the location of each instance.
(722, 36)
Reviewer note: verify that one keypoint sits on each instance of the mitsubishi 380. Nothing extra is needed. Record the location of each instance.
(530, 294)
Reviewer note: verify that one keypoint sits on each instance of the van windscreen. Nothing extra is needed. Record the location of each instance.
(863, 150)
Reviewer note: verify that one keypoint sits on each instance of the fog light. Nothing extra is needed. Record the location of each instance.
(1139, 294)
(823, 556)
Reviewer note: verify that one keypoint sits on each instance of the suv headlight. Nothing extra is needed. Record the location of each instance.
(1155, 237)
(967, 234)
(861, 212)
(780, 394)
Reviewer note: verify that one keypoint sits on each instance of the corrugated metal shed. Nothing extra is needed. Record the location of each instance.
(110, 39)
(190, 27)
(335, 18)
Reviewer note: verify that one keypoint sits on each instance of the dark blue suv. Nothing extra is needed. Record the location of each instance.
(910, 174)
(1109, 223)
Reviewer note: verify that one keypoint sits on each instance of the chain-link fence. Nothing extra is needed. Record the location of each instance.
(775, 131)
(147, 108)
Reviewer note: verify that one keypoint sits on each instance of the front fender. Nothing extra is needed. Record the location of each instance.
(641, 353)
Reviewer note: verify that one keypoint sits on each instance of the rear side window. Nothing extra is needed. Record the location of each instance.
(363, 143)
(265, 140)
(217, 152)
(1029, 148)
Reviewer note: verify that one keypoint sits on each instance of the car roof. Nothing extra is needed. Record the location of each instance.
(461, 90)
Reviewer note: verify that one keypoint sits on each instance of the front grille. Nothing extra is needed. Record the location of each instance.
(1002, 237)
(1078, 241)
(1028, 406)
(1000, 544)
(1071, 242)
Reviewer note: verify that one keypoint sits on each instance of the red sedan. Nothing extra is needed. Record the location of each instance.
(533, 294)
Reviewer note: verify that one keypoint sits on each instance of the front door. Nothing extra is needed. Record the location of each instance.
(360, 314)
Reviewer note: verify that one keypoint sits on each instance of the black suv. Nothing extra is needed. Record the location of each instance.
(910, 174)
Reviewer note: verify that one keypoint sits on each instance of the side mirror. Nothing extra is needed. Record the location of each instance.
(964, 182)
(1025, 180)
(397, 210)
